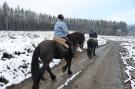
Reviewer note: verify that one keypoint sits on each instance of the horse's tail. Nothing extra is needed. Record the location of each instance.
(35, 67)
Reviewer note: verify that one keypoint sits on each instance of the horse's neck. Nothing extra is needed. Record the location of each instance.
(73, 38)
(73, 42)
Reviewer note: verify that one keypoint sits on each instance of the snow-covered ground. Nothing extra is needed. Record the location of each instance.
(128, 57)
(16, 48)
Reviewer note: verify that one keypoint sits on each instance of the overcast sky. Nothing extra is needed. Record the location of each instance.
(87, 9)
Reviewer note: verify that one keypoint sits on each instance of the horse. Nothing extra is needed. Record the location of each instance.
(91, 46)
(49, 49)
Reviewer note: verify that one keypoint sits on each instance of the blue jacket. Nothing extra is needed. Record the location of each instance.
(60, 29)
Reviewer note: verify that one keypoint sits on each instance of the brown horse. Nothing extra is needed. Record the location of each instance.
(49, 49)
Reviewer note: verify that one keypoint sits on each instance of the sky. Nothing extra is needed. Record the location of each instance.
(119, 10)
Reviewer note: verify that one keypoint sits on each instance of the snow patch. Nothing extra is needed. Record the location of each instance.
(69, 80)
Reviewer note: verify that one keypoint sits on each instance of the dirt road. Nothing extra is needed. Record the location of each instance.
(104, 73)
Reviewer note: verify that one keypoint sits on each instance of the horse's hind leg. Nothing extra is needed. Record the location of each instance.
(94, 51)
(64, 68)
(89, 53)
(69, 66)
(46, 67)
(36, 83)
(53, 77)
(41, 73)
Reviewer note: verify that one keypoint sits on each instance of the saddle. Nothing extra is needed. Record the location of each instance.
(61, 41)
(94, 39)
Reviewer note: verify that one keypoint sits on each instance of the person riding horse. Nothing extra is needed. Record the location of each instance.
(92, 34)
(46, 50)
(61, 31)
(60, 27)
(92, 43)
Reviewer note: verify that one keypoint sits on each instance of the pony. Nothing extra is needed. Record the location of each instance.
(91, 46)
(49, 49)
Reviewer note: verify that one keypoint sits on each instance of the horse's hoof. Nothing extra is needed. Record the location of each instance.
(53, 78)
(35, 87)
(69, 72)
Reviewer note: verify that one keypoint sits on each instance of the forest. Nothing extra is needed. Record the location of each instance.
(18, 19)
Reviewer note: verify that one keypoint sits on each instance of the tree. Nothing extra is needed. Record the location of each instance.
(5, 10)
(20, 19)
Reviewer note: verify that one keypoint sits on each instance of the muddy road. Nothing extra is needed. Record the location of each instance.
(102, 72)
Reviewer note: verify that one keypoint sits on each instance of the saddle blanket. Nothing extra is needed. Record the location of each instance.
(94, 39)
(61, 41)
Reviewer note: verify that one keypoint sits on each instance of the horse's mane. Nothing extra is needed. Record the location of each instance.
(75, 35)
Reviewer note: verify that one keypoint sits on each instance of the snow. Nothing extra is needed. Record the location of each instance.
(128, 57)
(19, 46)
(69, 80)
(17, 68)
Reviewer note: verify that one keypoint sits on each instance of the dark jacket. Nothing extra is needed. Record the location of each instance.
(93, 35)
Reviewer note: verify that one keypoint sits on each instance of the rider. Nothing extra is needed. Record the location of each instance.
(61, 31)
(93, 35)
(60, 27)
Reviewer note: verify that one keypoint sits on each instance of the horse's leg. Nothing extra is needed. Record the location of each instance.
(36, 83)
(69, 65)
(94, 51)
(42, 70)
(45, 66)
(88, 52)
(64, 68)
(37, 79)
(53, 77)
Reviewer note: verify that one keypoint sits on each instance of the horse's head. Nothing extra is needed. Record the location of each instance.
(77, 39)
